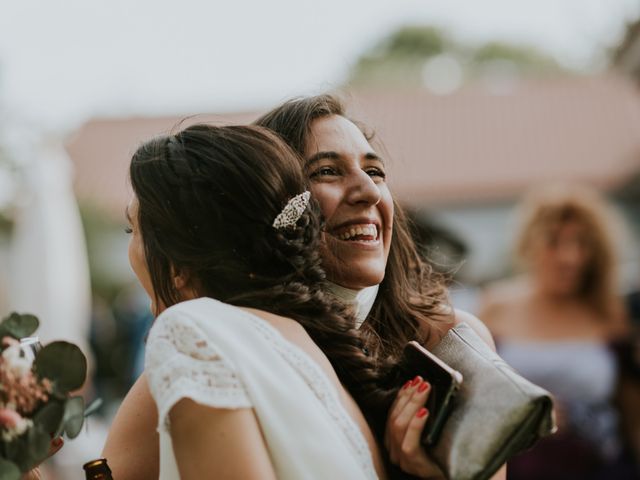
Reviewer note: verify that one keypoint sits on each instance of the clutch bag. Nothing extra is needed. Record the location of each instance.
(496, 412)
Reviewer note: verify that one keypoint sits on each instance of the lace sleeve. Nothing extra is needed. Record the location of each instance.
(182, 362)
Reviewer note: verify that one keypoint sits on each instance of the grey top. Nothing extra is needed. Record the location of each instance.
(581, 374)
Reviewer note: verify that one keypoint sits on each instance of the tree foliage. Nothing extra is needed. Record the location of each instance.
(398, 59)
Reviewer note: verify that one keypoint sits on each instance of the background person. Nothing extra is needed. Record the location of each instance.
(556, 324)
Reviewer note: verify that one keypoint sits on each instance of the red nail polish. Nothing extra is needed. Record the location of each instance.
(422, 412)
(406, 385)
(415, 381)
(423, 386)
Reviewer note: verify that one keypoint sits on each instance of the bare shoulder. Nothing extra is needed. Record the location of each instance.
(499, 299)
(503, 293)
(460, 316)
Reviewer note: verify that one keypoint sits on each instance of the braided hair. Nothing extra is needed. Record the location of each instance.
(207, 197)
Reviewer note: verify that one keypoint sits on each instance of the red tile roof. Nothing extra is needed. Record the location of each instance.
(466, 147)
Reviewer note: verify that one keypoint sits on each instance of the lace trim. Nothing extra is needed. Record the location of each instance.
(321, 387)
(182, 364)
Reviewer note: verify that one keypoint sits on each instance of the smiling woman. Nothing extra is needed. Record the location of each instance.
(350, 185)
(348, 179)
(394, 291)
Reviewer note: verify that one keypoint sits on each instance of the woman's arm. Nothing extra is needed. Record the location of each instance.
(133, 443)
(218, 443)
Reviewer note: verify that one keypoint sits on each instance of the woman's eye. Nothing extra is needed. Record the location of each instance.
(128, 230)
(376, 172)
(323, 172)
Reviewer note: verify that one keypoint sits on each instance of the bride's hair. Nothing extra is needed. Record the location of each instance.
(207, 200)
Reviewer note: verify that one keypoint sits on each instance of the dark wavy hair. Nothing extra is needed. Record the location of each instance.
(412, 298)
(207, 199)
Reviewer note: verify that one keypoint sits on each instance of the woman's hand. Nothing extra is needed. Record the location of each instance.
(34, 474)
(407, 417)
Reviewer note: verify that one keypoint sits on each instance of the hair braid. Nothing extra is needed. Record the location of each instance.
(302, 295)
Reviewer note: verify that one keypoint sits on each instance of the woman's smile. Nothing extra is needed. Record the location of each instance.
(348, 179)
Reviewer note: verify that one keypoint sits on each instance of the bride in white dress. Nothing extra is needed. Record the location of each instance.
(254, 371)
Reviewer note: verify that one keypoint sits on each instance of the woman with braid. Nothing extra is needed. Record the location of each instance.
(255, 372)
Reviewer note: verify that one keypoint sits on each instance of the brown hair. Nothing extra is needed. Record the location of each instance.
(546, 208)
(207, 199)
(411, 296)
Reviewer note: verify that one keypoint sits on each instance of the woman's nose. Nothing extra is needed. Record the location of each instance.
(572, 255)
(362, 189)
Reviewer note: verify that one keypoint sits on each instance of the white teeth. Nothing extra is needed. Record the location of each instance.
(368, 230)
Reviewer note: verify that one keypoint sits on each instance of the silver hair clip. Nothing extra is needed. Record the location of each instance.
(292, 211)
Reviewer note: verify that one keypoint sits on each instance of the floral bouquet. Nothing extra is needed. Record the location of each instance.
(35, 404)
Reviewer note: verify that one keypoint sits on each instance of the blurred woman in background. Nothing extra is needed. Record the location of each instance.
(556, 325)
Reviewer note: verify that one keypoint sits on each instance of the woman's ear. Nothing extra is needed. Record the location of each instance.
(183, 285)
(180, 281)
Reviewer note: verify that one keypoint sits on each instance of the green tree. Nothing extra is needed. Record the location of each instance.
(523, 57)
(399, 59)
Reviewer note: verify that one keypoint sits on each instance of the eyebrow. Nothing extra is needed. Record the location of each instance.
(335, 155)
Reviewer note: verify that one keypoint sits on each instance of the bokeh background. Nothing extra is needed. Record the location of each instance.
(473, 102)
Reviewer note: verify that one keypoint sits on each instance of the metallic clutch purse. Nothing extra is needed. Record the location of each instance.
(496, 412)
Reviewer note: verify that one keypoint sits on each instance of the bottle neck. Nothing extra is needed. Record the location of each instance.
(361, 300)
(97, 470)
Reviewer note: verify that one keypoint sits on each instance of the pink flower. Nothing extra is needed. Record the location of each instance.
(13, 425)
(21, 392)
(9, 419)
(9, 341)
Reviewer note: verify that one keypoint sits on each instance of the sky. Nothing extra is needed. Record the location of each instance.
(65, 61)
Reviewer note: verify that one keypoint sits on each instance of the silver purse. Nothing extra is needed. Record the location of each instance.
(496, 412)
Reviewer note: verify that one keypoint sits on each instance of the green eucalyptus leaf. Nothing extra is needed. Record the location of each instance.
(39, 441)
(9, 470)
(63, 363)
(20, 325)
(16, 450)
(73, 416)
(93, 407)
(29, 449)
(49, 417)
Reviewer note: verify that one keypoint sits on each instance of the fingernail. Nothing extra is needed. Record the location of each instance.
(423, 386)
(406, 385)
(421, 413)
(415, 381)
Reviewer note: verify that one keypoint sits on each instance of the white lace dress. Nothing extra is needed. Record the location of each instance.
(225, 357)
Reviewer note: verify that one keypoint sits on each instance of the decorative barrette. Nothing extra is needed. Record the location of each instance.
(292, 211)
